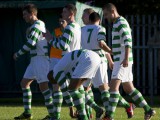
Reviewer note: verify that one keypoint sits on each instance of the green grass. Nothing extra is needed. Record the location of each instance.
(7, 112)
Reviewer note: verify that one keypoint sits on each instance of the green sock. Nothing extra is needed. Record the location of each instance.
(67, 97)
(123, 102)
(139, 100)
(113, 101)
(90, 92)
(79, 103)
(27, 98)
(89, 101)
(105, 98)
(48, 101)
(57, 102)
(81, 90)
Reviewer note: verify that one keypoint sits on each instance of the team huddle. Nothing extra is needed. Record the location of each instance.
(81, 60)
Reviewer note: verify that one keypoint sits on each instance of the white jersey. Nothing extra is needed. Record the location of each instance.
(91, 35)
(36, 43)
(70, 40)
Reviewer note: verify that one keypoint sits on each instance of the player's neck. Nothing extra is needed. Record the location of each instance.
(71, 20)
(116, 17)
(94, 23)
(33, 20)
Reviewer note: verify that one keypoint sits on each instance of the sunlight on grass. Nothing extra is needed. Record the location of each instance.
(8, 113)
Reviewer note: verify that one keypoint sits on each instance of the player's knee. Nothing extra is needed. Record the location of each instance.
(128, 87)
(24, 83)
(104, 87)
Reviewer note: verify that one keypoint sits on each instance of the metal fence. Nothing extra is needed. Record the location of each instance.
(145, 68)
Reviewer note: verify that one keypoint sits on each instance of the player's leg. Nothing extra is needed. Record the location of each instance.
(134, 93)
(129, 107)
(90, 102)
(58, 98)
(101, 81)
(41, 69)
(88, 108)
(78, 99)
(114, 98)
(57, 95)
(47, 97)
(27, 98)
(137, 97)
(90, 92)
(27, 94)
(79, 104)
(105, 95)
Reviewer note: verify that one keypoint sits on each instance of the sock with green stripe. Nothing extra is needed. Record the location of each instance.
(79, 103)
(90, 102)
(67, 97)
(48, 101)
(105, 98)
(90, 92)
(27, 98)
(123, 102)
(113, 101)
(81, 90)
(57, 103)
(139, 100)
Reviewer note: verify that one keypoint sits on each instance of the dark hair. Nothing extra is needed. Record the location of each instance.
(88, 10)
(109, 7)
(71, 8)
(30, 8)
(93, 17)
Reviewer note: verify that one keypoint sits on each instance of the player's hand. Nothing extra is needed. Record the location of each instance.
(63, 24)
(48, 36)
(125, 63)
(111, 64)
(15, 56)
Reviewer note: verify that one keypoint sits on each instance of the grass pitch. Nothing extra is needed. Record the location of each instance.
(8, 112)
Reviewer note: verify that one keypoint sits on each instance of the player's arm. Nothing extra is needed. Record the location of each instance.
(127, 40)
(104, 46)
(110, 61)
(64, 41)
(31, 42)
(101, 40)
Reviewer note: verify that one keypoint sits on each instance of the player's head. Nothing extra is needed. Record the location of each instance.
(62, 22)
(85, 16)
(69, 12)
(94, 18)
(110, 12)
(29, 12)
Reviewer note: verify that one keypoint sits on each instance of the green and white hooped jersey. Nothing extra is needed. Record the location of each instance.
(121, 38)
(36, 44)
(91, 35)
(70, 40)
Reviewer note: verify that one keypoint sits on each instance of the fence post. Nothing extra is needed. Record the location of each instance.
(150, 70)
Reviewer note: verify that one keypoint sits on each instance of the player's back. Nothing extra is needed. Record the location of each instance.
(91, 35)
